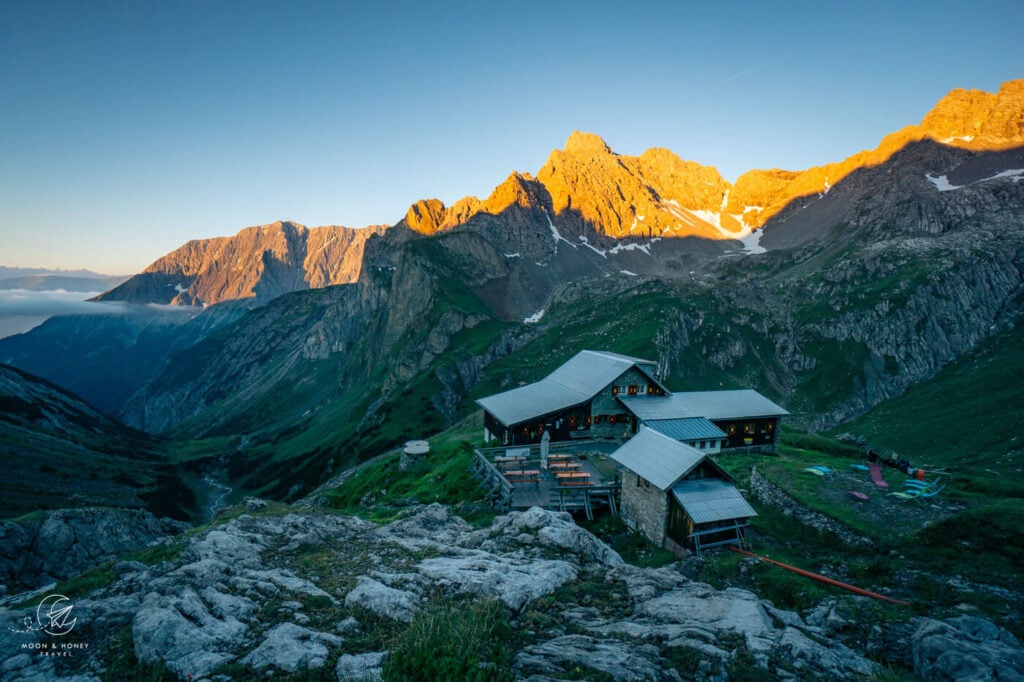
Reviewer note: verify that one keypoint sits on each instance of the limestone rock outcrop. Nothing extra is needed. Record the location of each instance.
(966, 648)
(290, 592)
(53, 546)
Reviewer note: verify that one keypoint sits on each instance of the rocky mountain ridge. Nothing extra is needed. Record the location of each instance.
(584, 192)
(586, 184)
(260, 262)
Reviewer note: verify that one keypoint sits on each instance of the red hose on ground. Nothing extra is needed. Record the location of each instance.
(820, 578)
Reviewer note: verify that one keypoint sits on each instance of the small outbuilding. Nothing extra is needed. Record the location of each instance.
(677, 496)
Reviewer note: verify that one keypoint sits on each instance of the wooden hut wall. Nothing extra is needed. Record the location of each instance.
(749, 432)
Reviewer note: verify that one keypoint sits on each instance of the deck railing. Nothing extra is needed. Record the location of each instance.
(560, 497)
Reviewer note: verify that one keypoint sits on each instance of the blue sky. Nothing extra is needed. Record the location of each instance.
(128, 128)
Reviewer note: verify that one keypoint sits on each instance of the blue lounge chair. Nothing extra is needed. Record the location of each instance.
(913, 495)
(827, 472)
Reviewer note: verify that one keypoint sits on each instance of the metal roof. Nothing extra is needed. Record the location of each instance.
(657, 458)
(689, 428)
(581, 378)
(709, 499)
(651, 407)
(708, 404)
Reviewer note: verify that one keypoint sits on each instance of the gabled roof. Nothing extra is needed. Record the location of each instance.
(709, 404)
(581, 378)
(688, 428)
(709, 499)
(657, 458)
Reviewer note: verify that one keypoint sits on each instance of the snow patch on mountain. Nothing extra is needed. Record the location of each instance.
(618, 248)
(941, 183)
(752, 242)
(556, 235)
(535, 318)
(586, 243)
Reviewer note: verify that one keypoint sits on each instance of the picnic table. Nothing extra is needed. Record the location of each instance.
(513, 462)
(523, 476)
(559, 466)
(558, 458)
(573, 478)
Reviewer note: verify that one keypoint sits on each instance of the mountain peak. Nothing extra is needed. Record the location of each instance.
(587, 143)
(979, 116)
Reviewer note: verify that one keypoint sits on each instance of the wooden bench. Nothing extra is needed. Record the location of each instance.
(564, 466)
(573, 478)
(523, 476)
(507, 463)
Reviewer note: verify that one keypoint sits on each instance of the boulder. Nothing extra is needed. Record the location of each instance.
(965, 648)
(360, 667)
(382, 600)
(552, 529)
(186, 633)
(568, 654)
(512, 580)
(431, 525)
(290, 647)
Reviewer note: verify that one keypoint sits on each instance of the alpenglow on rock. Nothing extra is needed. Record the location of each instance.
(259, 262)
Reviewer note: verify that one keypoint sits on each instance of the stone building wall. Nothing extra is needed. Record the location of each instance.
(606, 403)
(644, 508)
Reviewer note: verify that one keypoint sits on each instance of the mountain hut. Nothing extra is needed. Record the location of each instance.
(677, 496)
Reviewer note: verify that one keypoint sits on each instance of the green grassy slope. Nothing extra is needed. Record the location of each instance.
(968, 419)
(58, 452)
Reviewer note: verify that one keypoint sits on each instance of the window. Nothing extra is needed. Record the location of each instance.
(633, 389)
(642, 390)
(703, 444)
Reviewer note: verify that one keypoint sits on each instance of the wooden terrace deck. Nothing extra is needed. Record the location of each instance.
(581, 479)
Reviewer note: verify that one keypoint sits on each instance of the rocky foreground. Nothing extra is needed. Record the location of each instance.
(275, 591)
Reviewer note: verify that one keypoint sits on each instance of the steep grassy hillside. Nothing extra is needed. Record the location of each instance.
(967, 420)
(58, 452)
